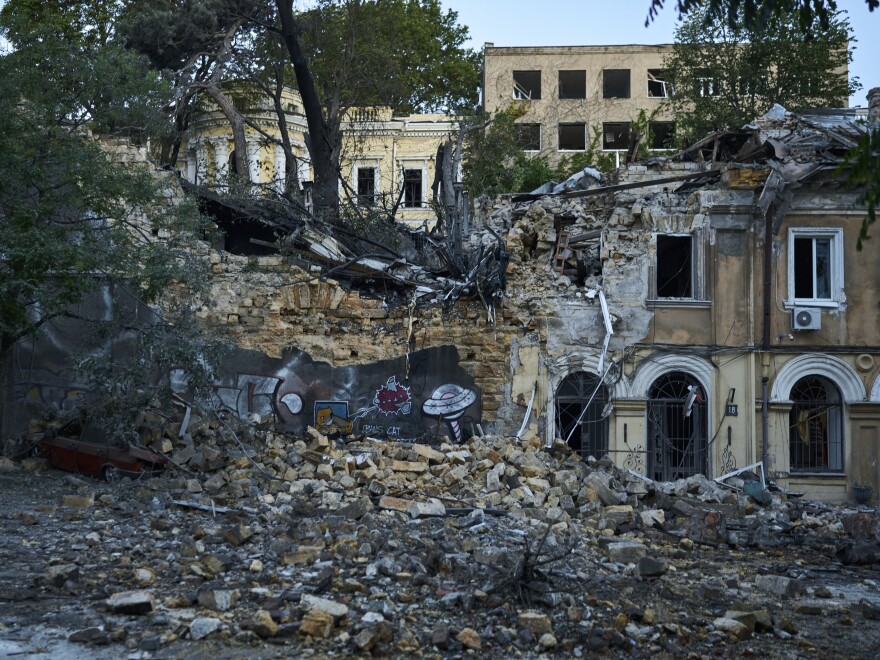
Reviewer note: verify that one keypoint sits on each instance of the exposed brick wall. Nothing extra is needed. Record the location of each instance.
(267, 304)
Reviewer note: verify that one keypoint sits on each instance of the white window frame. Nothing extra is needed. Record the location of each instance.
(699, 294)
(355, 176)
(667, 87)
(708, 86)
(402, 166)
(586, 137)
(838, 297)
(540, 136)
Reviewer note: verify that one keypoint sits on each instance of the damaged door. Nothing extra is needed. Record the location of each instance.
(580, 405)
(677, 427)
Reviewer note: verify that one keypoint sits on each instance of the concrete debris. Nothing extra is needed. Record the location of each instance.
(492, 548)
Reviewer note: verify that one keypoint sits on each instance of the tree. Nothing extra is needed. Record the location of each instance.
(494, 161)
(723, 76)
(72, 221)
(755, 12)
(344, 54)
(195, 45)
(351, 53)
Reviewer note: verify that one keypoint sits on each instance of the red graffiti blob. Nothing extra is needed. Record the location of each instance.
(393, 398)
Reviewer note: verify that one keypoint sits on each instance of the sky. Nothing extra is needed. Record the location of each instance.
(617, 22)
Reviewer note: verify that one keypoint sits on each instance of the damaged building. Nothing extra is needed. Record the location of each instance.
(568, 91)
(731, 319)
(696, 313)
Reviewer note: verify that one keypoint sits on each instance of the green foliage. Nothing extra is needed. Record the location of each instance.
(68, 70)
(86, 22)
(724, 76)
(863, 165)
(755, 12)
(175, 32)
(73, 219)
(493, 161)
(406, 54)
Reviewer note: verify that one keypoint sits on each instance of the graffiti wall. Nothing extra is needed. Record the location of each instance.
(428, 398)
(432, 399)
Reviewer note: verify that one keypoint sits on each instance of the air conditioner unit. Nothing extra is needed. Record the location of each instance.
(806, 318)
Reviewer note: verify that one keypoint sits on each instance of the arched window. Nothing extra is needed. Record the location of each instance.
(580, 406)
(677, 427)
(816, 426)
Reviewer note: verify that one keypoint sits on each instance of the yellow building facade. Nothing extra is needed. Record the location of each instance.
(386, 159)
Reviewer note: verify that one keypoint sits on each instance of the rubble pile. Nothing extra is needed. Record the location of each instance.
(493, 547)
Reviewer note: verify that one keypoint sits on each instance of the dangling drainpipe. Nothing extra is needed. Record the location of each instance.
(765, 425)
(774, 184)
(765, 412)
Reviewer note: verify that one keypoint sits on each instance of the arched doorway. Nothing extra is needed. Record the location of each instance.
(582, 396)
(816, 426)
(677, 427)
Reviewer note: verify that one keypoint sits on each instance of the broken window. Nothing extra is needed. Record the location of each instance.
(412, 188)
(581, 415)
(527, 85)
(366, 186)
(573, 84)
(816, 426)
(615, 135)
(662, 134)
(529, 136)
(572, 137)
(615, 83)
(658, 88)
(674, 266)
(707, 84)
(677, 427)
(815, 266)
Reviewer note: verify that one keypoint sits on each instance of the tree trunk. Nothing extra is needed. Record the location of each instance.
(291, 171)
(322, 140)
(239, 139)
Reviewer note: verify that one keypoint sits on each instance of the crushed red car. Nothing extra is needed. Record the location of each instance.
(103, 460)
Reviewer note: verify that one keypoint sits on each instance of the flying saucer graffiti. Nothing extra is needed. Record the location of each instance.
(448, 402)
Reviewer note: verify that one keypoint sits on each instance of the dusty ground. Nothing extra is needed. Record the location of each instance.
(437, 586)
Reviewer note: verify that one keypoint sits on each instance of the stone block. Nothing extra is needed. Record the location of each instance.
(429, 453)
(131, 602)
(778, 585)
(220, 600)
(432, 507)
(331, 607)
(535, 622)
(626, 552)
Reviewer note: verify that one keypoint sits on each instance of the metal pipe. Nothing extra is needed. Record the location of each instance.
(765, 425)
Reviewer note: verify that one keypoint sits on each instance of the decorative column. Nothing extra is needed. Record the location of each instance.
(191, 161)
(253, 148)
(280, 172)
(221, 160)
(201, 177)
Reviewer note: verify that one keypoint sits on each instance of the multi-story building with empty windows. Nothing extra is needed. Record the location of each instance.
(574, 93)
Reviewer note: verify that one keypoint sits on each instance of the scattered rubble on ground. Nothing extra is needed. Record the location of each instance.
(258, 543)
